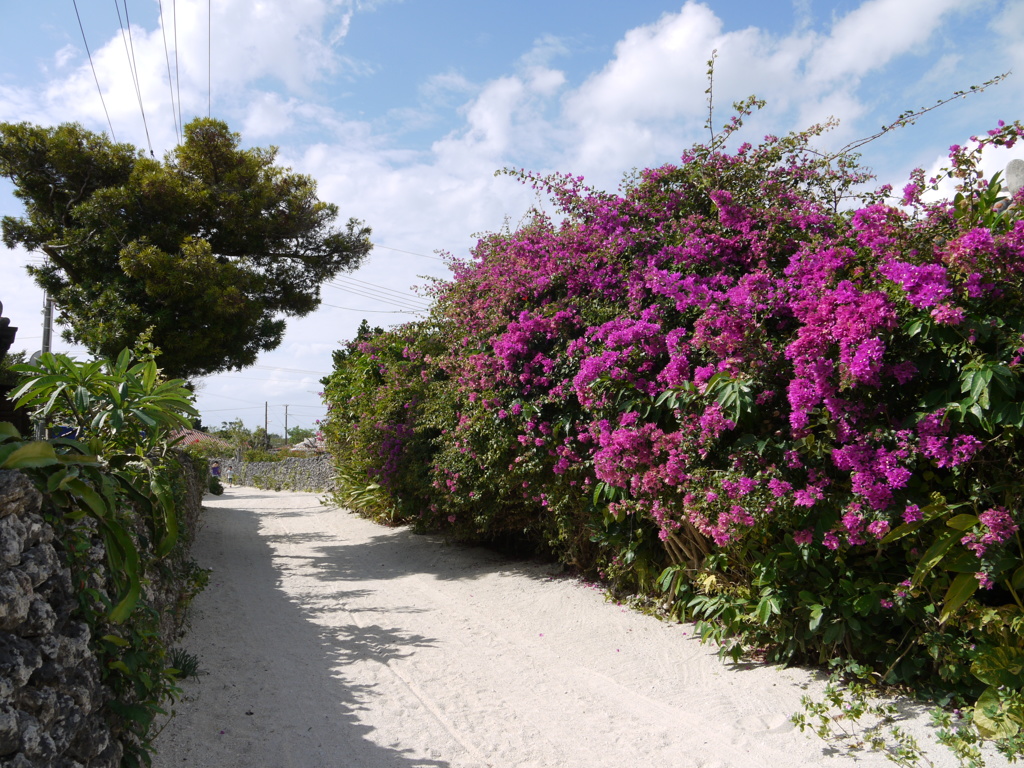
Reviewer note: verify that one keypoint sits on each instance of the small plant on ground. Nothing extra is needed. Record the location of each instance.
(184, 663)
(854, 717)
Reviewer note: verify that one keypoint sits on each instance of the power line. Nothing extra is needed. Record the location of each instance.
(220, 410)
(369, 293)
(360, 285)
(403, 294)
(177, 76)
(233, 377)
(131, 64)
(170, 80)
(289, 370)
(93, 66)
(375, 311)
(209, 58)
(405, 307)
(411, 253)
(226, 397)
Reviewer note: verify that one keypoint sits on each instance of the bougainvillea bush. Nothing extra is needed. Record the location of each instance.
(796, 413)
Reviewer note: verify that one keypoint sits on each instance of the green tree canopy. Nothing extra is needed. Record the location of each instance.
(212, 247)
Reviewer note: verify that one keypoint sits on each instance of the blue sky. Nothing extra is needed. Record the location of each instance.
(403, 109)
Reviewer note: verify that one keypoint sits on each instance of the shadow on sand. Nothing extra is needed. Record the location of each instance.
(272, 691)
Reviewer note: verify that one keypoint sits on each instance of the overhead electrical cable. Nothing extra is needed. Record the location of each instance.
(403, 294)
(225, 397)
(93, 66)
(129, 49)
(376, 311)
(377, 297)
(170, 80)
(177, 76)
(246, 408)
(233, 377)
(411, 253)
(289, 370)
(209, 58)
(379, 293)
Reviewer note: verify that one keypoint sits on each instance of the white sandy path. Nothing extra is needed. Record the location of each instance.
(327, 641)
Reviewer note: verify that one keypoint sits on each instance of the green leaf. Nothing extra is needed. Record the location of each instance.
(962, 522)
(902, 530)
(1000, 667)
(99, 506)
(165, 496)
(36, 454)
(817, 613)
(1017, 582)
(835, 633)
(120, 666)
(979, 385)
(959, 592)
(992, 720)
(934, 554)
(55, 479)
(764, 610)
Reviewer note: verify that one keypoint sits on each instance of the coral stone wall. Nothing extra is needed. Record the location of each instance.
(50, 692)
(52, 704)
(291, 474)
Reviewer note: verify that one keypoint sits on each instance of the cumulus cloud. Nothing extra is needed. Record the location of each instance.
(877, 31)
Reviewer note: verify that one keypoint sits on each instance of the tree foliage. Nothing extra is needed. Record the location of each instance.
(210, 247)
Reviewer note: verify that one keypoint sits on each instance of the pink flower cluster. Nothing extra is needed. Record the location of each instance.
(732, 354)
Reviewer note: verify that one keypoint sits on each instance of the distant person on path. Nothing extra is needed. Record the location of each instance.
(231, 475)
(215, 469)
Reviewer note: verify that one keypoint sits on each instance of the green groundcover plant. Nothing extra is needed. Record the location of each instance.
(793, 413)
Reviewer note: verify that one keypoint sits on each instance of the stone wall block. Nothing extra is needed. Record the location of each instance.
(91, 741)
(81, 684)
(12, 539)
(15, 598)
(40, 563)
(18, 761)
(19, 658)
(19, 495)
(37, 531)
(74, 644)
(41, 620)
(10, 736)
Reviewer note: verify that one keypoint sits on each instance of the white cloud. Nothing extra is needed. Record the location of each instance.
(64, 56)
(876, 32)
(268, 115)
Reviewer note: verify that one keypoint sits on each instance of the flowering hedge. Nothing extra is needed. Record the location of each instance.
(800, 421)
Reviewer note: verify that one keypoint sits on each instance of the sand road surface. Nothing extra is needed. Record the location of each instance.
(327, 641)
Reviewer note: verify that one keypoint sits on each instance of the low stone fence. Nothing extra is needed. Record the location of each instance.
(52, 699)
(314, 474)
(51, 696)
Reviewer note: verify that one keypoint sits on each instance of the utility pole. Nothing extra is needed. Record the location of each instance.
(286, 441)
(47, 322)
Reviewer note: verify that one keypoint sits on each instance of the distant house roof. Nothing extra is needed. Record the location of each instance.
(194, 436)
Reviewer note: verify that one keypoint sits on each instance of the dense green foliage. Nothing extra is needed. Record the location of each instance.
(796, 418)
(209, 247)
(116, 482)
